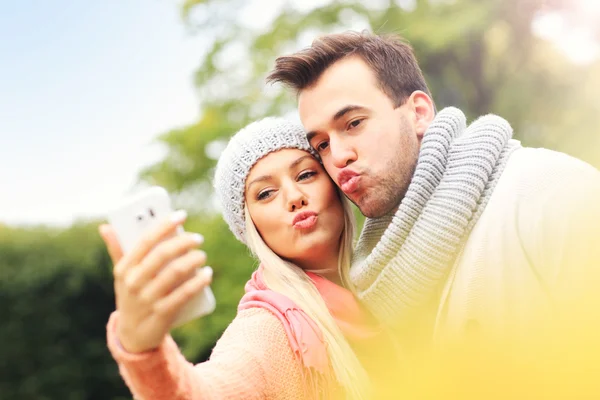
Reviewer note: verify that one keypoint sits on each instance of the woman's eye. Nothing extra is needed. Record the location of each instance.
(306, 175)
(264, 194)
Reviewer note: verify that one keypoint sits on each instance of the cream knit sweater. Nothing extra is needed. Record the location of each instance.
(534, 250)
(534, 254)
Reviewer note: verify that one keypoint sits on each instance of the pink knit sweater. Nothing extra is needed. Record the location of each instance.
(252, 360)
(271, 350)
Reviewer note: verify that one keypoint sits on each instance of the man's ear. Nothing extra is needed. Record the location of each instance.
(423, 109)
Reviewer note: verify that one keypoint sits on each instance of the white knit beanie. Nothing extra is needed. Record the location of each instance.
(244, 149)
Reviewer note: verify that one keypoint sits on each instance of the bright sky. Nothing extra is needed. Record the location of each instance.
(84, 88)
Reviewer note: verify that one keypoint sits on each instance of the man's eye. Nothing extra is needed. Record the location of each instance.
(354, 123)
(322, 146)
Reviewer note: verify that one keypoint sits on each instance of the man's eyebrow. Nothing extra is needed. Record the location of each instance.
(339, 114)
(310, 135)
(345, 110)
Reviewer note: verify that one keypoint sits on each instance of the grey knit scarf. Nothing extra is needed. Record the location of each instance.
(401, 260)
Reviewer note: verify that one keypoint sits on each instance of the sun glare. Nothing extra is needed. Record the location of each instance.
(573, 30)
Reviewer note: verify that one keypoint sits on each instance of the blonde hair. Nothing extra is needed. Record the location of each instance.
(290, 280)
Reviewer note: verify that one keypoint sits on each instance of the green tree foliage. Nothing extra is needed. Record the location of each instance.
(55, 298)
(478, 55)
(56, 294)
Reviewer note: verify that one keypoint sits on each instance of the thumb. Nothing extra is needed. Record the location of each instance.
(111, 242)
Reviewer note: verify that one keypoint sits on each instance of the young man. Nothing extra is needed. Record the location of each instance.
(467, 230)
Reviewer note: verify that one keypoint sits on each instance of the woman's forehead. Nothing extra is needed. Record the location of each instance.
(281, 160)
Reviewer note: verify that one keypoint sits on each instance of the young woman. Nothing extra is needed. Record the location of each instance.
(299, 333)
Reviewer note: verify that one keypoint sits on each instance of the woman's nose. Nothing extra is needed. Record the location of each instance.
(296, 198)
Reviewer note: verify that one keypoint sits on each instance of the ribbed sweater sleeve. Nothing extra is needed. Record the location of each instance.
(252, 360)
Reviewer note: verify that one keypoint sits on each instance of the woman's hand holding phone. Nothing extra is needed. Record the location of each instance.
(154, 281)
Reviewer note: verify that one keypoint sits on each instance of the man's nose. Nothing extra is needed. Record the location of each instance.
(342, 153)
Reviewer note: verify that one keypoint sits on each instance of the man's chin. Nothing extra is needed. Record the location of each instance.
(371, 207)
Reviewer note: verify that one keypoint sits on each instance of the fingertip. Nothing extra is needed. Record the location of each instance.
(197, 238)
(103, 229)
(179, 216)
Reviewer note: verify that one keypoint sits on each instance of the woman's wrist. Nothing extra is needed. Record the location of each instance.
(130, 346)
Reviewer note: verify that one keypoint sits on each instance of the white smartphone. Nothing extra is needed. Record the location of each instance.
(140, 213)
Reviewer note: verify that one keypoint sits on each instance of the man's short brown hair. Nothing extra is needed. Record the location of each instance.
(390, 57)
